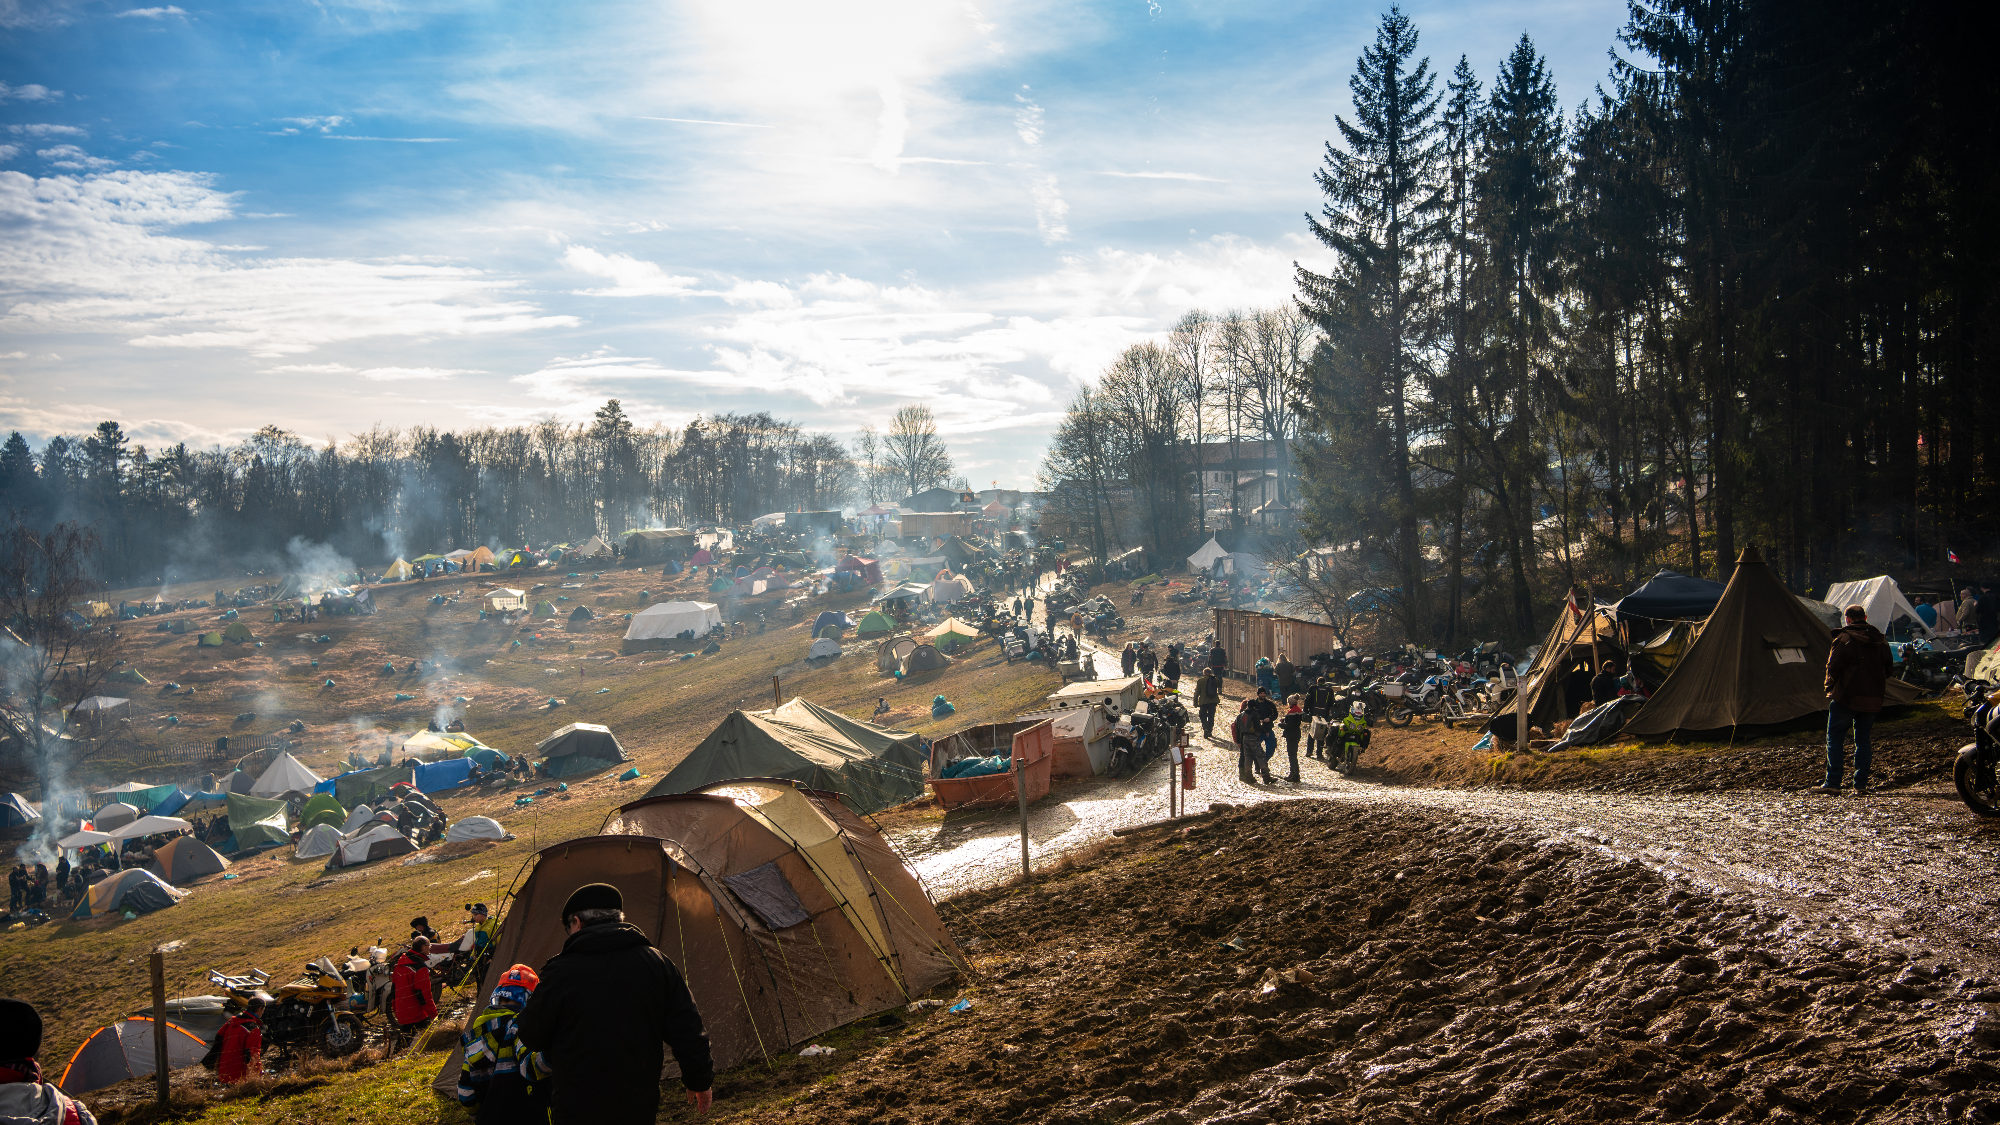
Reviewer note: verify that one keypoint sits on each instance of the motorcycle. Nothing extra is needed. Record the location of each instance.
(317, 1012)
(1976, 773)
(1390, 700)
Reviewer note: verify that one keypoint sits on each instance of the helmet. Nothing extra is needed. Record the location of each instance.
(520, 976)
(1359, 711)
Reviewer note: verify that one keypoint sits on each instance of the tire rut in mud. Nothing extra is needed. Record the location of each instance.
(1311, 962)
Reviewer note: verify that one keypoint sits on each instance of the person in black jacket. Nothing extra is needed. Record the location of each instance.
(604, 1006)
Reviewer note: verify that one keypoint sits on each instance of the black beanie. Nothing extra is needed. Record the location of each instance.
(20, 1029)
(593, 896)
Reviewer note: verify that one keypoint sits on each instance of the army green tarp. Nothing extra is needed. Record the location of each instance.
(362, 787)
(870, 767)
(258, 823)
(580, 748)
(1759, 660)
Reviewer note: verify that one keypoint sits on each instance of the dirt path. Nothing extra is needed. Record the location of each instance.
(1905, 867)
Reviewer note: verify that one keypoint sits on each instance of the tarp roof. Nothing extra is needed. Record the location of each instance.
(150, 826)
(871, 767)
(258, 822)
(1670, 596)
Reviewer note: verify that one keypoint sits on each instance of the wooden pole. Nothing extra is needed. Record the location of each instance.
(160, 1027)
(1021, 798)
(777, 693)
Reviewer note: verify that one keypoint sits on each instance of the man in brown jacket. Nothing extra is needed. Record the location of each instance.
(1857, 673)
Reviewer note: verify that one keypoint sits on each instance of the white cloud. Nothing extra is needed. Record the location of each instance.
(70, 158)
(1051, 209)
(311, 369)
(400, 374)
(324, 124)
(9, 152)
(630, 277)
(41, 129)
(94, 254)
(1190, 177)
(169, 12)
(29, 92)
(1028, 121)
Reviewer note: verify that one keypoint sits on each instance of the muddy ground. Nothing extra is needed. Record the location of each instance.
(1316, 961)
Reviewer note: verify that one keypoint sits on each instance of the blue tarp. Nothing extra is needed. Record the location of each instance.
(979, 767)
(448, 774)
(171, 803)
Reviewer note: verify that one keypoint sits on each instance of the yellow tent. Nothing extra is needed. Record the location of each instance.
(399, 571)
(480, 556)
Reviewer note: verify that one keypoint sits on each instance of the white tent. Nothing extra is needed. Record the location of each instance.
(117, 814)
(150, 826)
(769, 519)
(285, 774)
(950, 588)
(319, 840)
(85, 839)
(824, 648)
(475, 828)
(504, 599)
(361, 815)
(667, 620)
(376, 841)
(1881, 597)
(1206, 556)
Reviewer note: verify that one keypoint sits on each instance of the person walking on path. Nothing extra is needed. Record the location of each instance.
(1170, 672)
(414, 1003)
(240, 1050)
(24, 1097)
(1319, 712)
(1207, 697)
(1243, 732)
(1218, 659)
(1857, 673)
(1128, 660)
(605, 1005)
(1293, 723)
(1148, 661)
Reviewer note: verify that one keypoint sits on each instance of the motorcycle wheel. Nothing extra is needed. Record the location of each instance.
(340, 1034)
(1978, 788)
(1401, 716)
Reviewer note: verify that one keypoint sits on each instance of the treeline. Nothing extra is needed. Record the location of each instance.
(192, 512)
(1742, 295)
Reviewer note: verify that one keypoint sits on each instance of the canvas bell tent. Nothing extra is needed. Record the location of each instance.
(1759, 660)
(787, 913)
(870, 767)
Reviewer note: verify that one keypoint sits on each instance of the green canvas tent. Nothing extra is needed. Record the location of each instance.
(258, 823)
(367, 787)
(323, 808)
(580, 748)
(238, 632)
(875, 623)
(1759, 660)
(870, 767)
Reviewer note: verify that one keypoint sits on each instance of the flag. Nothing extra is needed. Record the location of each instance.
(1951, 556)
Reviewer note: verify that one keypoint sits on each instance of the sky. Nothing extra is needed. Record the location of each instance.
(336, 214)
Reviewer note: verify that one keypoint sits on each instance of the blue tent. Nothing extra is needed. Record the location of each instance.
(172, 803)
(1671, 596)
(831, 620)
(16, 812)
(448, 774)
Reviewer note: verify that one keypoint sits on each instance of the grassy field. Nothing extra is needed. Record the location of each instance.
(279, 913)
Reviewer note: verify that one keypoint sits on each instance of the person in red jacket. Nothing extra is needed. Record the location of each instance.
(242, 1039)
(414, 1004)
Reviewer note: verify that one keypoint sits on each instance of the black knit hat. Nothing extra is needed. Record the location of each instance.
(593, 896)
(20, 1029)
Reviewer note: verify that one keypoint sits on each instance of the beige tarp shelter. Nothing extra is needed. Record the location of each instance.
(870, 767)
(185, 860)
(950, 588)
(787, 913)
(504, 599)
(592, 548)
(1760, 659)
(1575, 638)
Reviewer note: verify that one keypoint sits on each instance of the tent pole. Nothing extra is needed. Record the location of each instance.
(160, 1027)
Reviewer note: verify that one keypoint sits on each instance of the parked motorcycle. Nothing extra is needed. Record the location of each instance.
(316, 1012)
(1976, 773)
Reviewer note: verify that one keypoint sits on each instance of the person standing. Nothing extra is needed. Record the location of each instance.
(1319, 710)
(1207, 697)
(605, 1005)
(1288, 677)
(24, 1097)
(17, 888)
(1148, 661)
(1218, 659)
(1857, 674)
(241, 1044)
(62, 876)
(415, 1003)
(1128, 660)
(1170, 672)
(1263, 712)
(1293, 723)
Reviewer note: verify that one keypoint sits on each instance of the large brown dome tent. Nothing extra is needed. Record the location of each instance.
(788, 914)
(1759, 660)
(870, 767)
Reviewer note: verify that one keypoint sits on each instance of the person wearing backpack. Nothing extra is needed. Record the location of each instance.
(503, 1082)
(239, 1047)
